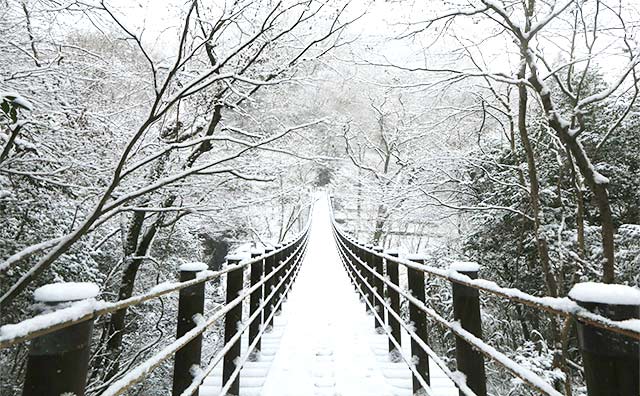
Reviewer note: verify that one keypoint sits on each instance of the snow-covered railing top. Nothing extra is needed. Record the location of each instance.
(73, 306)
(77, 312)
(563, 306)
(365, 265)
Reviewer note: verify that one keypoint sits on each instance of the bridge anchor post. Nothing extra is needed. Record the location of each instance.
(58, 362)
(466, 309)
(190, 303)
(611, 361)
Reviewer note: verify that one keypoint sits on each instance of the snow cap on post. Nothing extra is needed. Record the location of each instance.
(195, 266)
(611, 361)
(255, 252)
(465, 266)
(236, 256)
(417, 257)
(604, 293)
(66, 291)
(378, 248)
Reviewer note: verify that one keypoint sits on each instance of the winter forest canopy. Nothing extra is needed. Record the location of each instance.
(138, 135)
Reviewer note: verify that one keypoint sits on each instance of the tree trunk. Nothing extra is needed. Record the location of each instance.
(596, 182)
(134, 251)
(380, 220)
(579, 194)
(534, 193)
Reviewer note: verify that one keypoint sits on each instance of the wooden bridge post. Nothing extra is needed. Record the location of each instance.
(367, 257)
(273, 282)
(611, 361)
(299, 244)
(190, 303)
(353, 245)
(415, 281)
(58, 362)
(287, 278)
(356, 267)
(286, 252)
(349, 244)
(257, 272)
(377, 263)
(292, 264)
(233, 317)
(394, 299)
(269, 265)
(361, 279)
(466, 309)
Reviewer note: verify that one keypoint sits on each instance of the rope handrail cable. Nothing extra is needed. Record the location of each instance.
(140, 371)
(459, 384)
(393, 340)
(74, 313)
(199, 378)
(250, 348)
(525, 374)
(559, 306)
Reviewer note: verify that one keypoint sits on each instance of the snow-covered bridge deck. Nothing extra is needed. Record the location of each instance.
(324, 343)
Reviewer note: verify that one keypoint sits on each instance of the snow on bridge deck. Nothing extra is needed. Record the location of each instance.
(324, 343)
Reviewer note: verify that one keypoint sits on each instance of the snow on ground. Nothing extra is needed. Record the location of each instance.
(324, 343)
(253, 373)
(324, 349)
(66, 291)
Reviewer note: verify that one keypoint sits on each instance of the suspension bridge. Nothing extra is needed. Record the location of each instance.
(324, 314)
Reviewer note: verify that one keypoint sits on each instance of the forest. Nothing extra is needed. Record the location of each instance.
(136, 136)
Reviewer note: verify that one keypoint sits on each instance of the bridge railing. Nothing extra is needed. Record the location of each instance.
(61, 337)
(609, 346)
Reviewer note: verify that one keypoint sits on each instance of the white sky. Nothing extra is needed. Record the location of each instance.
(159, 21)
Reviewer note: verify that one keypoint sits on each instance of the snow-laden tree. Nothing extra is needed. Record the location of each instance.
(119, 156)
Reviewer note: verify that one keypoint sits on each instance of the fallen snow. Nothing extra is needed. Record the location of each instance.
(76, 311)
(416, 257)
(66, 291)
(237, 256)
(599, 178)
(195, 266)
(17, 99)
(465, 266)
(605, 293)
(521, 371)
(163, 286)
(323, 349)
